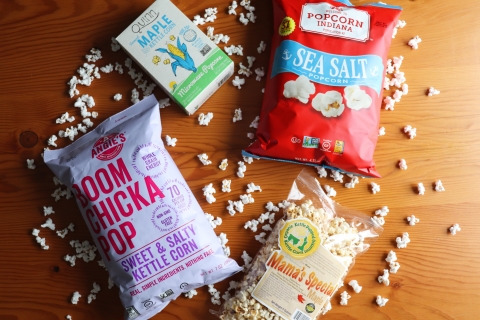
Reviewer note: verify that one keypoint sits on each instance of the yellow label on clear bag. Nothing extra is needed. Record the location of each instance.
(299, 238)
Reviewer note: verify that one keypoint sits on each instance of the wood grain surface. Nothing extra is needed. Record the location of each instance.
(44, 42)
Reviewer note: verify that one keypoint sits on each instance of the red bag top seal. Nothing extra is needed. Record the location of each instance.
(323, 96)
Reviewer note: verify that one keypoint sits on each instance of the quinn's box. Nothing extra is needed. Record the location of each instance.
(177, 55)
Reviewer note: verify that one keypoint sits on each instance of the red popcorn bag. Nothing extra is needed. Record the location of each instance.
(324, 92)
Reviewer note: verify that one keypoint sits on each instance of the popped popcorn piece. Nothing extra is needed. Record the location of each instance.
(118, 68)
(51, 141)
(31, 164)
(355, 286)
(284, 204)
(300, 89)
(213, 222)
(322, 173)
(421, 189)
(248, 160)
(81, 128)
(241, 169)
(251, 135)
(48, 224)
(88, 122)
(271, 218)
(223, 165)
(251, 187)
(62, 233)
(95, 55)
(226, 185)
(247, 198)
(117, 97)
(115, 45)
(244, 20)
(41, 241)
(238, 50)
(267, 227)
(391, 257)
(162, 103)
(244, 70)
(250, 60)
(107, 69)
(68, 317)
(238, 82)
(246, 260)
(232, 7)
(401, 24)
(71, 227)
(261, 47)
(73, 87)
(110, 283)
(327, 307)
(237, 115)
(397, 95)
(215, 294)
(386, 83)
(251, 16)
(375, 187)
(64, 118)
(381, 302)
(337, 176)
(238, 205)
(204, 159)
(397, 62)
(210, 14)
(394, 266)
(454, 229)
(252, 225)
(190, 294)
(48, 211)
(261, 237)
(414, 42)
(405, 89)
(412, 132)
(56, 181)
(271, 207)
(384, 278)
(135, 95)
(171, 141)
(402, 164)
(378, 220)
(254, 123)
(94, 114)
(208, 192)
(230, 208)
(389, 103)
(84, 250)
(204, 120)
(329, 191)
(198, 20)
(438, 186)
(412, 220)
(400, 78)
(222, 238)
(403, 241)
(76, 296)
(354, 180)
(382, 212)
(344, 296)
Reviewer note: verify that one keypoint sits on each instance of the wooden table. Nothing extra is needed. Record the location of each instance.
(44, 42)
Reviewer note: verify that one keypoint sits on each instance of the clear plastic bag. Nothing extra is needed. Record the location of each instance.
(342, 233)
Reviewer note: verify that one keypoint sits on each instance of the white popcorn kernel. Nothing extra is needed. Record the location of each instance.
(232, 7)
(375, 187)
(391, 257)
(400, 78)
(64, 118)
(238, 205)
(397, 62)
(198, 20)
(230, 208)
(226, 185)
(31, 164)
(35, 232)
(204, 159)
(261, 237)
(88, 122)
(247, 198)
(454, 229)
(378, 220)
(386, 83)
(381, 302)
(267, 227)
(337, 176)
(251, 187)
(414, 42)
(48, 211)
(250, 60)
(117, 97)
(251, 135)
(237, 115)
(354, 180)
(94, 114)
(439, 186)
(252, 225)
(51, 141)
(397, 95)
(261, 47)
(260, 72)
(403, 241)
(213, 222)
(271, 218)
(107, 69)
(238, 82)
(402, 164)
(76, 296)
(82, 128)
(243, 19)
(135, 96)
(204, 120)
(241, 169)
(382, 212)
(381, 131)
(248, 160)
(71, 227)
(210, 14)
(394, 266)
(401, 24)
(246, 260)
(223, 165)
(48, 224)
(251, 16)
(301, 89)
(421, 189)
(389, 103)
(322, 173)
(62, 233)
(405, 89)
(254, 123)
(284, 204)
(115, 45)
(412, 220)
(330, 191)
(412, 132)
(355, 286)
(171, 141)
(190, 294)
(68, 317)
(238, 50)
(344, 296)
(384, 278)
(95, 55)
(271, 207)
(390, 68)
(208, 192)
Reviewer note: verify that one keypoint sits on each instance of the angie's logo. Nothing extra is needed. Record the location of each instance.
(108, 147)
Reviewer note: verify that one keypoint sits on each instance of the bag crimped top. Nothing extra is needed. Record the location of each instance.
(324, 91)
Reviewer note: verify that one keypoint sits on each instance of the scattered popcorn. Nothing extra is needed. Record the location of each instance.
(204, 120)
(381, 301)
(117, 97)
(62, 233)
(76, 296)
(135, 95)
(397, 95)
(118, 68)
(208, 192)
(378, 220)
(381, 131)
(438, 186)
(238, 50)
(204, 159)
(386, 83)
(49, 224)
(383, 211)
(355, 286)
(51, 141)
(337, 176)
(251, 135)
(375, 187)
(263, 217)
(391, 257)
(252, 225)
(110, 283)
(238, 205)
(190, 294)
(397, 62)
(171, 141)
(412, 132)
(261, 237)
(402, 164)
(394, 266)
(88, 122)
(403, 241)
(261, 47)
(197, 20)
(241, 169)
(223, 165)
(68, 317)
(414, 42)
(243, 19)
(244, 70)
(267, 227)
(162, 103)
(389, 103)
(41, 241)
(231, 8)
(384, 279)
(322, 173)
(401, 24)
(344, 296)
(95, 55)
(251, 16)
(115, 45)
(246, 260)
(107, 69)
(73, 87)
(230, 208)
(222, 238)
(412, 220)
(48, 211)
(284, 204)
(271, 218)
(247, 198)
(251, 187)
(226, 185)
(71, 227)
(405, 89)
(210, 14)
(31, 164)
(213, 222)
(400, 78)
(64, 118)
(248, 160)
(238, 115)
(271, 207)
(238, 82)
(454, 229)
(254, 123)
(354, 180)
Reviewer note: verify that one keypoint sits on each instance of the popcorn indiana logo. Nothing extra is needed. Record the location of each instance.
(108, 147)
(310, 142)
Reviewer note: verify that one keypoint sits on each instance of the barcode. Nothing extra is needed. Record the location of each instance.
(206, 49)
(299, 315)
(167, 293)
(224, 79)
